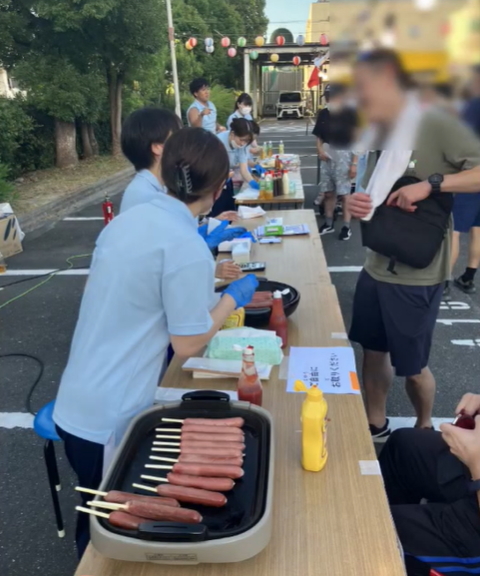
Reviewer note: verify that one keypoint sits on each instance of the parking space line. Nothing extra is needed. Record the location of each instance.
(43, 272)
(16, 420)
(82, 218)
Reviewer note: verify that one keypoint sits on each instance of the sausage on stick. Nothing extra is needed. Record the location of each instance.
(235, 422)
(198, 459)
(203, 482)
(199, 437)
(226, 452)
(117, 518)
(201, 444)
(190, 495)
(207, 470)
(153, 511)
(121, 497)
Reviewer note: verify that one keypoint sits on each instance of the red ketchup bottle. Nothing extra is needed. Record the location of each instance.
(278, 320)
(249, 387)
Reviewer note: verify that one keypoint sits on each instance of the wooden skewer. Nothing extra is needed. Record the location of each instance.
(153, 478)
(164, 466)
(166, 443)
(176, 430)
(163, 459)
(107, 505)
(143, 487)
(174, 420)
(93, 512)
(155, 466)
(165, 449)
(166, 437)
(90, 491)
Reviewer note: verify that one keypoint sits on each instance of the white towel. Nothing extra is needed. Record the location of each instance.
(396, 154)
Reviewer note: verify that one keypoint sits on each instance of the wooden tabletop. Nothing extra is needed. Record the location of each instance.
(297, 198)
(335, 522)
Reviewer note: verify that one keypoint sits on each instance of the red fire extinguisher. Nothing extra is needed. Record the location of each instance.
(107, 208)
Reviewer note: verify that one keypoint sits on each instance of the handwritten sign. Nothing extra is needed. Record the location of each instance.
(331, 369)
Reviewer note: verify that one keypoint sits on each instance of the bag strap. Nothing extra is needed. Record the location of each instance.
(391, 265)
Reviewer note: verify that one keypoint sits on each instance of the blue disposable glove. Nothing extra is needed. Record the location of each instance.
(254, 184)
(216, 236)
(242, 290)
(248, 235)
(203, 231)
(231, 233)
(260, 170)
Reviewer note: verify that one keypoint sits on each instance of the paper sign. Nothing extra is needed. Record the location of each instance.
(331, 369)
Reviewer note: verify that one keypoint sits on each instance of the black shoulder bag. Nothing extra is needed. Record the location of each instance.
(411, 238)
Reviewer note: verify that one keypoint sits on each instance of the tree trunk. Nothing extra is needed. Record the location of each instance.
(65, 144)
(86, 144)
(93, 140)
(115, 87)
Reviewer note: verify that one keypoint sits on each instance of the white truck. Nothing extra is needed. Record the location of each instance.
(290, 104)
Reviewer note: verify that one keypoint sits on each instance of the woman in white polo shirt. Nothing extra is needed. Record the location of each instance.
(151, 283)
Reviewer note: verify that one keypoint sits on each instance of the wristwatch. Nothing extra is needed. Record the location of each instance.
(435, 181)
(474, 486)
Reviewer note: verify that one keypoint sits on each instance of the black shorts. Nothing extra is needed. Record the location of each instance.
(396, 319)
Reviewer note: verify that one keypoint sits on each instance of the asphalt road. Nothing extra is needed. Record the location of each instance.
(42, 322)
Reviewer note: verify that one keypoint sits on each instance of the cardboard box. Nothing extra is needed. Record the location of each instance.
(10, 243)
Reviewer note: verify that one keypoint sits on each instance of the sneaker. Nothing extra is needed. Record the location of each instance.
(468, 287)
(345, 233)
(326, 229)
(380, 435)
(447, 296)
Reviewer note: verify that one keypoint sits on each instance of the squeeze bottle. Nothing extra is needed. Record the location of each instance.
(249, 387)
(314, 428)
(278, 321)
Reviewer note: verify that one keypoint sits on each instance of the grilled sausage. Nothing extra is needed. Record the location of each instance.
(225, 452)
(200, 428)
(235, 422)
(216, 484)
(209, 470)
(204, 459)
(124, 520)
(199, 437)
(192, 495)
(210, 444)
(162, 513)
(118, 497)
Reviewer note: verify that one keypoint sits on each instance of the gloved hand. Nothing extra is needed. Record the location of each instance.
(203, 231)
(260, 170)
(254, 184)
(216, 236)
(248, 235)
(231, 233)
(242, 290)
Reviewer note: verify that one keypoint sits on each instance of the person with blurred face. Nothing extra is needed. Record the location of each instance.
(394, 312)
(202, 113)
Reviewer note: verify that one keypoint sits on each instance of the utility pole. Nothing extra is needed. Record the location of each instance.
(171, 39)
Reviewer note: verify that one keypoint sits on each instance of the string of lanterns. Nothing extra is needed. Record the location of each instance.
(259, 41)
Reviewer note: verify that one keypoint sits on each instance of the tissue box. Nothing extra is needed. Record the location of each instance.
(241, 251)
(228, 245)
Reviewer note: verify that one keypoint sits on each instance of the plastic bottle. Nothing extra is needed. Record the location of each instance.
(268, 186)
(278, 163)
(285, 183)
(263, 188)
(3, 264)
(278, 320)
(314, 428)
(270, 149)
(249, 387)
(281, 147)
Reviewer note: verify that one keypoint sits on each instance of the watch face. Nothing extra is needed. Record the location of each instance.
(436, 179)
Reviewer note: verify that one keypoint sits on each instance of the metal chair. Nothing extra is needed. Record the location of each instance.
(44, 426)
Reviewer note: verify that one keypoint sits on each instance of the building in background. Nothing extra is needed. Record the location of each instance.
(8, 86)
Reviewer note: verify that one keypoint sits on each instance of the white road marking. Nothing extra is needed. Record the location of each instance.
(345, 268)
(468, 342)
(454, 306)
(82, 218)
(16, 420)
(397, 422)
(454, 321)
(42, 272)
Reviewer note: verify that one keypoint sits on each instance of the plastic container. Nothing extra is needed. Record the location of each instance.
(285, 183)
(278, 320)
(235, 320)
(249, 387)
(3, 264)
(263, 186)
(314, 428)
(281, 147)
(268, 186)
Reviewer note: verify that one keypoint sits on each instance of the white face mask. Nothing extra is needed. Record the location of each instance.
(245, 110)
(235, 146)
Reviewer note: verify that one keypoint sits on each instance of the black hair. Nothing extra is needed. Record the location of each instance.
(245, 99)
(333, 90)
(143, 128)
(242, 128)
(255, 128)
(197, 84)
(444, 89)
(195, 164)
(383, 58)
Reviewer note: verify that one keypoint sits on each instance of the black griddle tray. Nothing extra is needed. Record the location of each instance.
(246, 502)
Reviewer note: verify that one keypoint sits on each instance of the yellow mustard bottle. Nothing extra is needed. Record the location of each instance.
(314, 428)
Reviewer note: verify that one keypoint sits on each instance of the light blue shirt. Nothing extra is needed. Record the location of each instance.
(152, 275)
(144, 187)
(236, 156)
(209, 122)
(237, 114)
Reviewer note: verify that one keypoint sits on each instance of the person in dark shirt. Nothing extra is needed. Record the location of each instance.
(335, 131)
(466, 209)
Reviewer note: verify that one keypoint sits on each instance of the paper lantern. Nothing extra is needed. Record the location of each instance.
(280, 40)
(188, 45)
(232, 52)
(253, 55)
(259, 41)
(323, 39)
(300, 40)
(445, 29)
(193, 42)
(297, 60)
(209, 49)
(242, 42)
(225, 42)
(208, 42)
(274, 58)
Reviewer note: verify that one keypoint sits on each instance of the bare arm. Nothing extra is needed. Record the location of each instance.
(187, 346)
(244, 172)
(195, 118)
(465, 182)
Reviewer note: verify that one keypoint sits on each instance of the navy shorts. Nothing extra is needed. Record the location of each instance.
(466, 212)
(396, 319)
